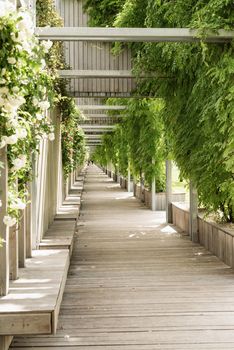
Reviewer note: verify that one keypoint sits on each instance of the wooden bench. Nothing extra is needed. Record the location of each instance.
(33, 303)
(60, 235)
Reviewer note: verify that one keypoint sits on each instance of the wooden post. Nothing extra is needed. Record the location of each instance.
(13, 252)
(169, 191)
(5, 342)
(153, 190)
(22, 240)
(34, 202)
(129, 178)
(60, 181)
(28, 228)
(13, 248)
(4, 230)
(193, 226)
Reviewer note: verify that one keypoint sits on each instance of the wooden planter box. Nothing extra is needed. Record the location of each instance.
(216, 238)
(146, 197)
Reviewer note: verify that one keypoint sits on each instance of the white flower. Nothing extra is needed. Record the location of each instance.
(26, 46)
(39, 116)
(6, 8)
(3, 142)
(51, 136)
(9, 221)
(16, 102)
(15, 89)
(13, 37)
(21, 133)
(25, 24)
(2, 101)
(12, 123)
(8, 107)
(35, 101)
(11, 140)
(3, 81)
(0, 203)
(47, 44)
(11, 60)
(44, 105)
(43, 63)
(18, 204)
(4, 90)
(3, 71)
(19, 162)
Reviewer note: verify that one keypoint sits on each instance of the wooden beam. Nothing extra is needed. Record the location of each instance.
(97, 116)
(94, 126)
(125, 74)
(95, 74)
(91, 137)
(101, 107)
(130, 34)
(102, 94)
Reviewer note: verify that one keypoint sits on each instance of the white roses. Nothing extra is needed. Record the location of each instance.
(21, 133)
(11, 60)
(18, 204)
(9, 221)
(44, 105)
(8, 140)
(46, 44)
(51, 136)
(19, 162)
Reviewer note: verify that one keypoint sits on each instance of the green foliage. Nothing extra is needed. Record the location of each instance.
(26, 92)
(139, 139)
(102, 13)
(73, 142)
(196, 83)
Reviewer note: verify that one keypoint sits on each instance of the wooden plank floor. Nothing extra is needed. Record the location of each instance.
(136, 284)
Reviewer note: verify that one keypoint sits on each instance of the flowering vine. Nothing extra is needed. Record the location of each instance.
(73, 141)
(26, 93)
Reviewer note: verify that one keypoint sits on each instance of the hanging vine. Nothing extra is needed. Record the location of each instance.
(197, 87)
(73, 141)
(26, 93)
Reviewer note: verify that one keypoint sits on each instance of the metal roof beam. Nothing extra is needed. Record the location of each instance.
(131, 34)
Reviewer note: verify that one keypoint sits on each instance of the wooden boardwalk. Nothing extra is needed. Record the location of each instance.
(136, 284)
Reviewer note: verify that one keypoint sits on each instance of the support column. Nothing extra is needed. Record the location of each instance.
(193, 200)
(34, 202)
(22, 239)
(153, 191)
(4, 230)
(169, 191)
(14, 252)
(129, 178)
(29, 228)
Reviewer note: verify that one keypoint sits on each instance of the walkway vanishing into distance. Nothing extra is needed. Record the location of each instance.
(135, 284)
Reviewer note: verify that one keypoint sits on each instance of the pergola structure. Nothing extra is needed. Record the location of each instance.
(102, 65)
(95, 75)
